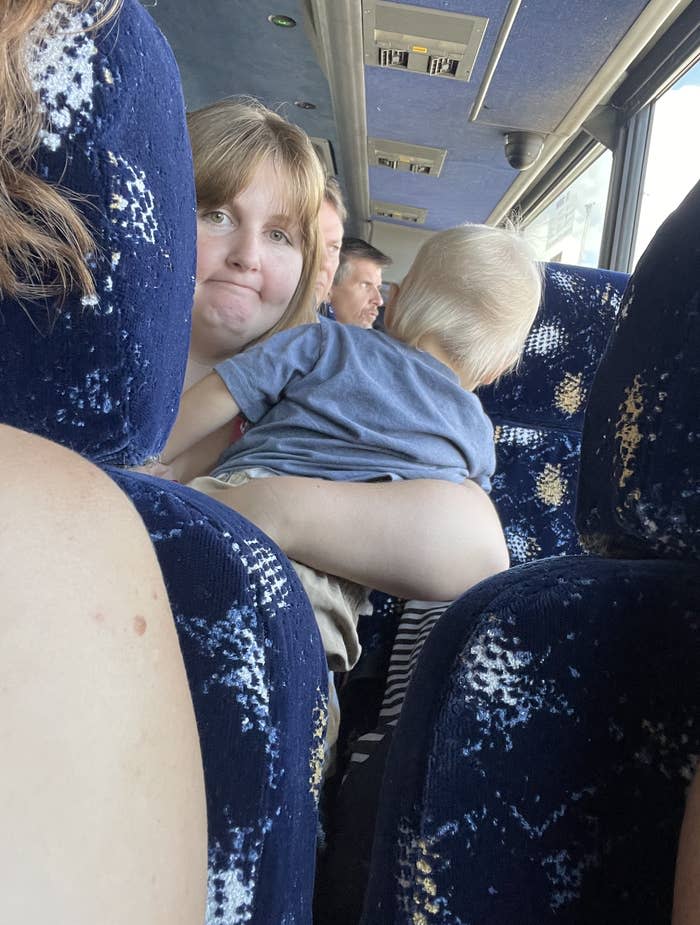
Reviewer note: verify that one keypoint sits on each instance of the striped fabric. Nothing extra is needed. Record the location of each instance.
(417, 620)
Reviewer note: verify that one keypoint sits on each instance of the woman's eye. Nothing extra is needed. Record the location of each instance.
(279, 236)
(216, 217)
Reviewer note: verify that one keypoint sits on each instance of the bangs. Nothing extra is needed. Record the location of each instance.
(219, 180)
(300, 196)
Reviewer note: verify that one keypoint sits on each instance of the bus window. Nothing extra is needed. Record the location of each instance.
(570, 229)
(672, 166)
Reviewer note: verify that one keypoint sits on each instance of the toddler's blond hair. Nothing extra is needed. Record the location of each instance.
(475, 290)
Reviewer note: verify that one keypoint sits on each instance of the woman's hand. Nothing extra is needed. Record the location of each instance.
(156, 468)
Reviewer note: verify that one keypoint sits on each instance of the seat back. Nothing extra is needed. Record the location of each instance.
(538, 411)
(103, 377)
(640, 486)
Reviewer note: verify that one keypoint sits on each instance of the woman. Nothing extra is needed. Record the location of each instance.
(232, 142)
(259, 188)
(223, 137)
(42, 236)
(243, 150)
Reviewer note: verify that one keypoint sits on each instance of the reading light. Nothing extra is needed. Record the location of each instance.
(279, 19)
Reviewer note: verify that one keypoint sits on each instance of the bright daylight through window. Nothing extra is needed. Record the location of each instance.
(570, 229)
(673, 166)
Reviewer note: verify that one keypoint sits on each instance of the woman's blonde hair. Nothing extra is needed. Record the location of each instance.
(476, 290)
(43, 239)
(230, 140)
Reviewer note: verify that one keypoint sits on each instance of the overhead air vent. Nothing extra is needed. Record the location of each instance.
(393, 210)
(398, 155)
(423, 41)
(443, 67)
(389, 57)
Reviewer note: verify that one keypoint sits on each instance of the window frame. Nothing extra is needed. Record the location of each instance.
(624, 126)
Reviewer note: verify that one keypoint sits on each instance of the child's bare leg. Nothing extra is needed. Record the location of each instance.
(102, 803)
(424, 539)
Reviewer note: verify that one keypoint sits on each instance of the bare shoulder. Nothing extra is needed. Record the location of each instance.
(43, 479)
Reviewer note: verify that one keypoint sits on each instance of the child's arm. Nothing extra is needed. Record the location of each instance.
(204, 408)
(201, 458)
(424, 539)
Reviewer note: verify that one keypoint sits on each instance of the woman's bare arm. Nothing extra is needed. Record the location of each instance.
(424, 539)
(102, 803)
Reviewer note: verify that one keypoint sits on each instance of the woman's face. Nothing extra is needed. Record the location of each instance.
(249, 262)
(331, 232)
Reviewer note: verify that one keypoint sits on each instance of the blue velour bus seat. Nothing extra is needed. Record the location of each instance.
(538, 770)
(103, 376)
(538, 411)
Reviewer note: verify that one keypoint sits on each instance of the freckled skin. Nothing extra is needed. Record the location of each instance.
(139, 625)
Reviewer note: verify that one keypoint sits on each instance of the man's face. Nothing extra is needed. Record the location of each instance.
(356, 300)
(331, 230)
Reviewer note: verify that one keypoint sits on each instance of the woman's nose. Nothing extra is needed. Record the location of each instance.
(244, 251)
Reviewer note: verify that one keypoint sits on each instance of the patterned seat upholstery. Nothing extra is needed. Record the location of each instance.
(103, 376)
(538, 770)
(538, 411)
(639, 494)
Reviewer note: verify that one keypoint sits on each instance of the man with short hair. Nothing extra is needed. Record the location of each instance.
(355, 293)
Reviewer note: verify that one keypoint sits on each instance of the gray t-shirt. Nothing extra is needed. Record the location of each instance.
(340, 402)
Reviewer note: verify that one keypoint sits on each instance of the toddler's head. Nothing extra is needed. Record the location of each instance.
(474, 291)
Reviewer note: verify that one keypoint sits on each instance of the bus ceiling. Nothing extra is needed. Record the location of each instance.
(453, 78)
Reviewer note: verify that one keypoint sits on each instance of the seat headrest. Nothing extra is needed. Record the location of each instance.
(103, 376)
(538, 411)
(550, 386)
(639, 494)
